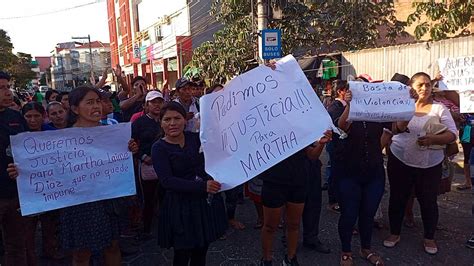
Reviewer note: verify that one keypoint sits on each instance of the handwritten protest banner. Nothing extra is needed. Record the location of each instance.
(68, 167)
(466, 101)
(259, 119)
(381, 102)
(458, 73)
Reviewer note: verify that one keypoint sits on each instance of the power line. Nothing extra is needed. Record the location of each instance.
(54, 11)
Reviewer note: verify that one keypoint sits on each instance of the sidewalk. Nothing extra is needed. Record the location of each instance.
(243, 247)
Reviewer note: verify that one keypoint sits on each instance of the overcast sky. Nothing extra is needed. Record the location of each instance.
(38, 35)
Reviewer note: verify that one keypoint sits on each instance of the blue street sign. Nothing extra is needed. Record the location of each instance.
(271, 42)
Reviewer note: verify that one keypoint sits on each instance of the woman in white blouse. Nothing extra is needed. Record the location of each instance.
(415, 162)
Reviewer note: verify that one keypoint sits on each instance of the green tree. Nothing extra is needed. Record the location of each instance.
(21, 70)
(19, 65)
(46, 76)
(7, 58)
(439, 19)
(312, 28)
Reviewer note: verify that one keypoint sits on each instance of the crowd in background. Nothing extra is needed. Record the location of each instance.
(178, 203)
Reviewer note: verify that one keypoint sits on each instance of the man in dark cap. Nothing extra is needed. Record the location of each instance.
(106, 98)
(184, 88)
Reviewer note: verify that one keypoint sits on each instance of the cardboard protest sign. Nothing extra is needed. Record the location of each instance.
(68, 167)
(259, 119)
(458, 73)
(381, 102)
(466, 100)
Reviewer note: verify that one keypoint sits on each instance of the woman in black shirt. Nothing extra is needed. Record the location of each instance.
(191, 215)
(361, 182)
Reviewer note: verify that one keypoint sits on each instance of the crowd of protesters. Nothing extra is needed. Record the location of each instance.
(177, 199)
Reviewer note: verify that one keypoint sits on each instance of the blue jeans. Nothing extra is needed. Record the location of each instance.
(359, 200)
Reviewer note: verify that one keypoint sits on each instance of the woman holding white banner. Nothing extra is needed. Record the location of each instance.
(415, 162)
(90, 228)
(361, 182)
(191, 215)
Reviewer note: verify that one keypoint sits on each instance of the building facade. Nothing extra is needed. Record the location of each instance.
(72, 63)
(155, 38)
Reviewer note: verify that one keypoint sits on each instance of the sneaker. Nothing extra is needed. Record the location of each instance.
(266, 262)
(292, 262)
(470, 242)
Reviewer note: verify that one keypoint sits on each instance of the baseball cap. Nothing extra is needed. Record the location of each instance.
(153, 95)
(104, 94)
(182, 82)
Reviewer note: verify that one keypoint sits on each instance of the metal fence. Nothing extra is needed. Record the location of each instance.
(382, 63)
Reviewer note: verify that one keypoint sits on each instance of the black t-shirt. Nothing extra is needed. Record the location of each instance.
(146, 131)
(335, 110)
(11, 123)
(292, 171)
(362, 150)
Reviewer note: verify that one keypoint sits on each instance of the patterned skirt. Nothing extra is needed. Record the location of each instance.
(190, 221)
(90, 226)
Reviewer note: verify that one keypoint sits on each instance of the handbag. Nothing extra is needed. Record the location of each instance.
(434, 126)
(447, 176)
(147, 172)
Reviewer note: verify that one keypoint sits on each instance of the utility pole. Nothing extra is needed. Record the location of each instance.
(262, 21)
(90, 53)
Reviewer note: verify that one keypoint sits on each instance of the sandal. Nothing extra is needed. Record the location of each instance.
(373, 258)
(258, 225)
(463, 187)
(334, 208)
(346, 260)
(236, 224)
(432, 248)
(391, 243)
(281, 225)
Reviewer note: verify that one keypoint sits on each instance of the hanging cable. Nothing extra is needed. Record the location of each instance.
(53, 12)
